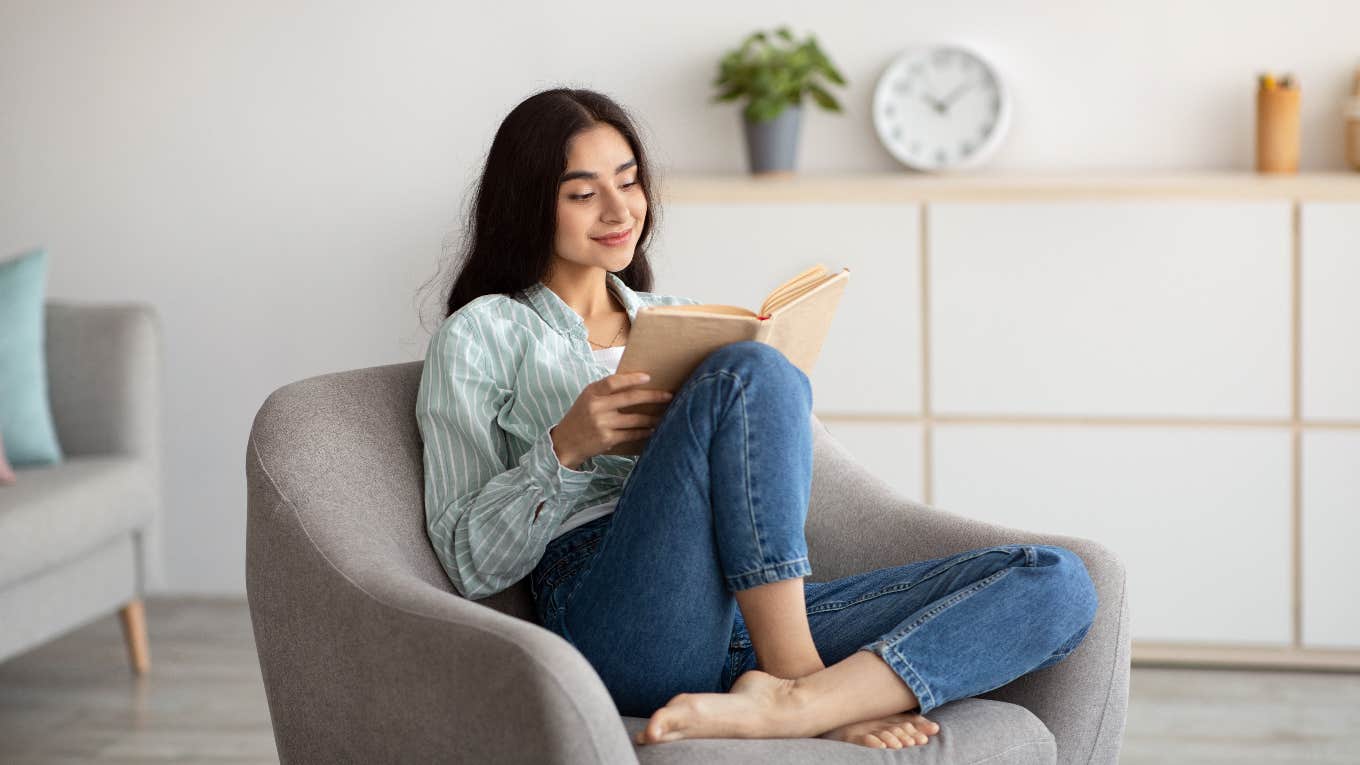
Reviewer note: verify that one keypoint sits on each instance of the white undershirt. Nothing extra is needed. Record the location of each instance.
(610, 358)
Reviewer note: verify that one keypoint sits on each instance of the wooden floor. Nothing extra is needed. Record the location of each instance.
(75, 701)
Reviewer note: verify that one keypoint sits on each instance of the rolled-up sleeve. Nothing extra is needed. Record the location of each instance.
(482, 513)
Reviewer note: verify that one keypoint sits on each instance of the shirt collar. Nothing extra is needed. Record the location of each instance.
(561, 317)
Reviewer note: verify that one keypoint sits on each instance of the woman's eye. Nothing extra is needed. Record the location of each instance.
(579, 197)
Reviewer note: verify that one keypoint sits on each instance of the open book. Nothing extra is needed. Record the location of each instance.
(669, 342)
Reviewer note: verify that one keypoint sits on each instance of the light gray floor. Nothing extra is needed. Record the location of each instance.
(75, 701)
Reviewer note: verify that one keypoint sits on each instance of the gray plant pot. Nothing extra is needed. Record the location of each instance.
(772, 146)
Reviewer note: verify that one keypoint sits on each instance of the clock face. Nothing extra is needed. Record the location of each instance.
(940, 107)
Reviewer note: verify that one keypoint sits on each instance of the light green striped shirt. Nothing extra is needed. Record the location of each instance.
(499, 373)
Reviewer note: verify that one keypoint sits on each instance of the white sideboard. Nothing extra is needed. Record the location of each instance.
(1169, 365)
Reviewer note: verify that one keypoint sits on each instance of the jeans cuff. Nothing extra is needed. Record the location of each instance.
(775, 572)
(899, 664)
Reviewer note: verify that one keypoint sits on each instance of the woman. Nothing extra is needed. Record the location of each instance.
(679, 574)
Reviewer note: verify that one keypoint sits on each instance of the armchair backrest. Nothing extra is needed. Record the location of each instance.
(345, 451)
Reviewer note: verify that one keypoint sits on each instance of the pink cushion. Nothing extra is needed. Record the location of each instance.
(6, 472)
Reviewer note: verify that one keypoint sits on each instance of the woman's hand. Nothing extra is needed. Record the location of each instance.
(594, 423)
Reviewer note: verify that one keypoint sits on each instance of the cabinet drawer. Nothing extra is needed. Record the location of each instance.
(1200, 517)
(1131, 308)
(1329, 283)
(1331, 539)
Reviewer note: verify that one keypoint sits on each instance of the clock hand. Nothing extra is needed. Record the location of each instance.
(955, 93)
(938, 106)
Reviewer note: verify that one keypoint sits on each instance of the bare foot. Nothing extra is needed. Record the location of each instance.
(892, 732)
(759, 705)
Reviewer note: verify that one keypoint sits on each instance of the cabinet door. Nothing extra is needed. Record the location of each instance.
(1199, 516)
(891, 451)
(1331, 539)
(1330, 271)
(735, 254)
(1131, 308)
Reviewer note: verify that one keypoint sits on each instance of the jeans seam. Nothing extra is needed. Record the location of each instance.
(746, 454)
(888, 644)
(840, 605)
(746, 471)
(903, 586)
(946, 604)
(924, 704)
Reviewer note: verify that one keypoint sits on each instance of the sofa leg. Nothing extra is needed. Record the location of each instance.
(134, 632)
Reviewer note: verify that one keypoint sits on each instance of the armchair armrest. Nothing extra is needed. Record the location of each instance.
(864, 524)
(372, 664)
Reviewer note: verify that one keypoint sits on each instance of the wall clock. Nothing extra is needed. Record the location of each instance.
(941, 107)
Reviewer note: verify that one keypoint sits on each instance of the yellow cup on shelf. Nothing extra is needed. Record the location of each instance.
(1277, 125)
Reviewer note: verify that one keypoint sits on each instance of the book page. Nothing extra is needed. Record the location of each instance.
(799, 328)
(792, 286)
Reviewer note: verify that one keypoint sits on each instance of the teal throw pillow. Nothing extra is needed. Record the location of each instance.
(25, 410)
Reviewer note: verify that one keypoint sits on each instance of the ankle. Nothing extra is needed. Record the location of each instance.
(792, 669)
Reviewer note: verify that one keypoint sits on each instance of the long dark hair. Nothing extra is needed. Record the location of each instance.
(508, 240)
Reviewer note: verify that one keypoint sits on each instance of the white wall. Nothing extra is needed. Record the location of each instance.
(278, 178)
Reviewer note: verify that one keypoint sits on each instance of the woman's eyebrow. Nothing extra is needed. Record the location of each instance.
(573, 175)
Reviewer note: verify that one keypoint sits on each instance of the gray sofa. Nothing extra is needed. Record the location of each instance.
(76, 535)
(368, 654)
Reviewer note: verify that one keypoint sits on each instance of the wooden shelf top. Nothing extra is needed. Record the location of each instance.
(978, 186)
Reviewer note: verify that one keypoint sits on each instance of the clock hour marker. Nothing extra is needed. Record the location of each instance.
(941, 157)
(965, 148)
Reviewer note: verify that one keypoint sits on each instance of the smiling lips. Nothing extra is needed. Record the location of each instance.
(614, 240)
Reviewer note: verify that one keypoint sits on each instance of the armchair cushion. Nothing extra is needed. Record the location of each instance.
(25, 410)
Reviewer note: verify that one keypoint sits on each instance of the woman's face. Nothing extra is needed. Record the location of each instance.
(598, 195)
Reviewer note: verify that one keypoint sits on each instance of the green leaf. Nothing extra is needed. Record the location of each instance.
(831, 73)
(784, 34)
(731, 94)
(823, 98)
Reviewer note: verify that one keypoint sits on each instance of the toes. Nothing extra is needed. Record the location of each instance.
(872, 741)
(656, 728)
(924, 725)
(905, 732)
(910, 732)
(893, 742)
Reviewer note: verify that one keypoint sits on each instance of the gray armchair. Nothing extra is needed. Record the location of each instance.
(369, 655)
(77, 536)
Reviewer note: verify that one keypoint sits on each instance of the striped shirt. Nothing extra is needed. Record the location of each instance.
(499, 373)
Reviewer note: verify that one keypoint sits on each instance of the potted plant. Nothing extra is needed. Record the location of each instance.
(774, 73)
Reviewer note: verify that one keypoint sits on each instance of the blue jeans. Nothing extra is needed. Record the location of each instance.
(716, 503)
